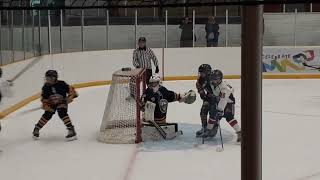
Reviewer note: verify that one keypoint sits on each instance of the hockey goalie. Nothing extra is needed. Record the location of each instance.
(155, 102)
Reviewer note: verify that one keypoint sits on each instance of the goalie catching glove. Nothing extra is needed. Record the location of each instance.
(188, 97)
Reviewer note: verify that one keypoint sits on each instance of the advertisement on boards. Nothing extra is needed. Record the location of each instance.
(291, 60)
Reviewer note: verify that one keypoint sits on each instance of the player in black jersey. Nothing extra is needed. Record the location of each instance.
(161, 97)
(205, 92)
(55, 97)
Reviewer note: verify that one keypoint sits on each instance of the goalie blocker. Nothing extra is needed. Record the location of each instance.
(155, 102)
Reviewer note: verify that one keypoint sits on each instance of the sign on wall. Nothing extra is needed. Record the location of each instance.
(291, 59)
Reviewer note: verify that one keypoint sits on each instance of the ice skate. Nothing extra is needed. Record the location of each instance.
(72, 135)
(200, 132)
(239, 136)
(36, 133)
(210, 132)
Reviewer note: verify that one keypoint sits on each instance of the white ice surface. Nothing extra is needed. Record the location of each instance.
(291, 143)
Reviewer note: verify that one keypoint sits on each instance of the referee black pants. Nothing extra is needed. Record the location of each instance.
(148, 75)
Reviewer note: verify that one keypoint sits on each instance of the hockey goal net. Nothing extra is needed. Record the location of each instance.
(121, 123)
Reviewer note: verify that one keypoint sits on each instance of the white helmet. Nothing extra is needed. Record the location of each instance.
(155, 78)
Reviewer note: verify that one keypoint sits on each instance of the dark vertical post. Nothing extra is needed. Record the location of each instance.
(49, 32)
(0, 38)
(251, 91)
(82, 29)
(11, 36)
(61, 30)
(39, 33)
(107, 30)
(23, 36)
(32, 34)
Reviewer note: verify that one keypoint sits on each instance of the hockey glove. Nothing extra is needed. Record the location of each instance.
(69, 100)
(157, 70)
(219, 115)
(71, 95)
(46, 106)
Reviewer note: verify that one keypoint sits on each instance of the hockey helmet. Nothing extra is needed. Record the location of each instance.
(155, 79)
(52, 73)
(204, 69)
(51, 76)
(216, 77)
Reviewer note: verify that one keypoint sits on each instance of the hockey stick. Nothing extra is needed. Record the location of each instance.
(29, 111)
(316, 68)
(203, 127)
(163, 134)
(159, 129)
(28, 66)
(221, 140)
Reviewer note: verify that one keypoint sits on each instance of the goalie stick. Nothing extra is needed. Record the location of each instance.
(149, 116)
(165, 135)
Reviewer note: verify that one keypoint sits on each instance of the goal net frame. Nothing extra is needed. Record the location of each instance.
(123, 131)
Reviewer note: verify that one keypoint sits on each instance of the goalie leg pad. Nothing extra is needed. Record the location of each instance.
(149, 111)
(149, 132)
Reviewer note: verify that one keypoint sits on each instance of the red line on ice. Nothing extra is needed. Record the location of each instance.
(131, 163)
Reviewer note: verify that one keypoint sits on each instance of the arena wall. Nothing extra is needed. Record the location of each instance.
(92, 68)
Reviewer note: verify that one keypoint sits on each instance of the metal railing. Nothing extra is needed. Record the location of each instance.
(26, 34)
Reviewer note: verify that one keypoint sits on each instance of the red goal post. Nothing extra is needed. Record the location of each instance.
(121, 122)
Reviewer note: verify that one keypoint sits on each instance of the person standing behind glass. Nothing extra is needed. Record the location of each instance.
(186, 33)
(212, 32)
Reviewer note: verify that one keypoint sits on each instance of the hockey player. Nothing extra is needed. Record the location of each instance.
(161, 96)
(225, 105)
(204, 89)
(56, 95)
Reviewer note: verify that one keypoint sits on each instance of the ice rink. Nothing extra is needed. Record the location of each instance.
(291, 132)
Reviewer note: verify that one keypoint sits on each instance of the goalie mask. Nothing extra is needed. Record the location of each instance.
(154, 82)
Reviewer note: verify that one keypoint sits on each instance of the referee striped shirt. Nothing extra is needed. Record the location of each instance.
(142, 58)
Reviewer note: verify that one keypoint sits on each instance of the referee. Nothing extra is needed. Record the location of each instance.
(142, 57)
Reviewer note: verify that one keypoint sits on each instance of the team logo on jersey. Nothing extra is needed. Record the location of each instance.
(54, 90)
(163, 104)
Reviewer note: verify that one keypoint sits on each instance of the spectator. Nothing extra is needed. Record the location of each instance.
(212, 32)
(186, 39)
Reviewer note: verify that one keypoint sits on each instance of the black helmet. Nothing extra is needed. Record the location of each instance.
(205, 68)
(142, 39)
(52, 73)
(216, 75)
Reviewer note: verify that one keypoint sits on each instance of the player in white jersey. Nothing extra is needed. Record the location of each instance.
(225, 104)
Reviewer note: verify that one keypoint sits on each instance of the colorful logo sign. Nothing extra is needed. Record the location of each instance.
(287, 60)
